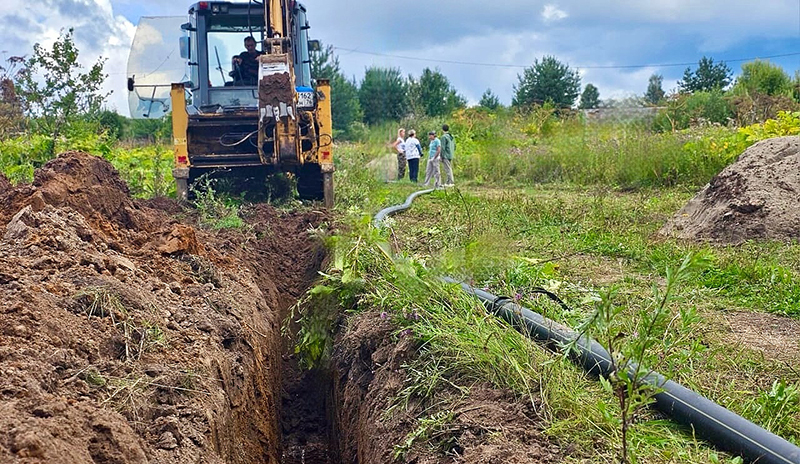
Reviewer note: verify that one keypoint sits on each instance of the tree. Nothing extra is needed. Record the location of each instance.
(54, 90)
(345, 107)
(590, 98)
(489, 100)
(324, 64)
(547, 81)
(383, 95)
(437, 97)
(655, 92)
(11, 118)
(763, 77)
(707, 77)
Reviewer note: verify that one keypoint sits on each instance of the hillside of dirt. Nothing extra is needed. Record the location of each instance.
(128, 336)
(487, 425)
(754, 198)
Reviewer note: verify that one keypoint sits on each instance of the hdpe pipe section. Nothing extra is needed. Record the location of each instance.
(377, 221)
(723, 428)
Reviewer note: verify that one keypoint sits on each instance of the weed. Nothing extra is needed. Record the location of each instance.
(781, 406)
(428, 428)
(94, 378)
(138, 336)
(216, 212)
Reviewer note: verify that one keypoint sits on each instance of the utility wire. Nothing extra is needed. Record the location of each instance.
(501, 65)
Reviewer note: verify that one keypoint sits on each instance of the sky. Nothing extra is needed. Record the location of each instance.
(499, 39)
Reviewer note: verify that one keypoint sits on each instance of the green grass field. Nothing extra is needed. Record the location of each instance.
(584, 237)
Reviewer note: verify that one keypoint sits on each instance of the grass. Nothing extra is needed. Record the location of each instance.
(592, 226)
(139, 333)
(580, 243)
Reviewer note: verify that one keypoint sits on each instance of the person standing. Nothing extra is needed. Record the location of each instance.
(399, 146)
(434, 155)
(413, 152)
(448, 148)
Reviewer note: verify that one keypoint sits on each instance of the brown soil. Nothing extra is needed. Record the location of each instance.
(274, 89)
(489, 425)
(754, 198)
(128, 337)
(775, 336)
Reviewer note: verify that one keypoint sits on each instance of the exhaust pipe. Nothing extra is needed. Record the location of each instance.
(724, 429)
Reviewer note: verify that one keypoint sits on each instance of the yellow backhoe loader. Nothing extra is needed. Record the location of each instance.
(239, 114)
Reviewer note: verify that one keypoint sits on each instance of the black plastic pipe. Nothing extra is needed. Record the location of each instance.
(723, 428)
(377, 221)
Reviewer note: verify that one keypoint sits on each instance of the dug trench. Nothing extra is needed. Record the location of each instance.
(130, 333)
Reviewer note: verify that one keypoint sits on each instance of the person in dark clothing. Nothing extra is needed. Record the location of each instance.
(245, 71)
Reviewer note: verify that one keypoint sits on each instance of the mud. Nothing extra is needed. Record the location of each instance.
(754, 198)
(488, 425)
(129, 337)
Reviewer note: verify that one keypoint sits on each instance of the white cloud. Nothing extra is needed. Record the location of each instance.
(552, 13)
(97, 31)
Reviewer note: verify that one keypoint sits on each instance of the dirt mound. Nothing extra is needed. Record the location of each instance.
(754, 198)
(85, 183)
(128, 337)
(488, 425)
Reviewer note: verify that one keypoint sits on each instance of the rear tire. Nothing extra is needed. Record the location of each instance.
(310, 185)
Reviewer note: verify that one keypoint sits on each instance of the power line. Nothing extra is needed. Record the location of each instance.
(501, 65)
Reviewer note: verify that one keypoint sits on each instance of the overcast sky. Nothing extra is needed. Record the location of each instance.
(510, 34)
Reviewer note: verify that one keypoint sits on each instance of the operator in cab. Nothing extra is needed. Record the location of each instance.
(245, 64)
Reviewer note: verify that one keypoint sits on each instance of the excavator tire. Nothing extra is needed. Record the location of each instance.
(310, 185)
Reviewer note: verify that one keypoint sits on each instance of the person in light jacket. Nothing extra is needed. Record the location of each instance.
(413, 152)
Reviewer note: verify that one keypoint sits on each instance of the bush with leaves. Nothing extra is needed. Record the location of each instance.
(787, 123)
(661, 341)
(763, 77)
(754, 107)
(54, 90)
(685, 110)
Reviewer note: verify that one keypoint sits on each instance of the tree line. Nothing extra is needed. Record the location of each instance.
(384, 94)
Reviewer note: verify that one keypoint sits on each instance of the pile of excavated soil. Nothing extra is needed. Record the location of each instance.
(488, 425)
(274, 89)
(129, 337)
(754, 198)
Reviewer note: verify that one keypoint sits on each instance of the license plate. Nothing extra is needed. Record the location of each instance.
(305, 99)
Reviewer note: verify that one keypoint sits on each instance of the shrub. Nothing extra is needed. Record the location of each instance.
(763, 77)
(685, 110)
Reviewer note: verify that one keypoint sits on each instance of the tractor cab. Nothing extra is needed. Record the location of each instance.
(206, 58)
